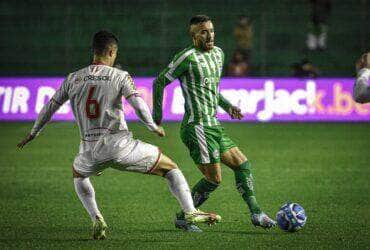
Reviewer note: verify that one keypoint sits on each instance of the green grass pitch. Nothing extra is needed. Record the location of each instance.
(324, 167)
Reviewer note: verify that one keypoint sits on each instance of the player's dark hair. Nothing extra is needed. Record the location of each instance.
(199, 19)
(102, 41)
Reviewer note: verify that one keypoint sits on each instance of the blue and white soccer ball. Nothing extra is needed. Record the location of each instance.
(291, 217)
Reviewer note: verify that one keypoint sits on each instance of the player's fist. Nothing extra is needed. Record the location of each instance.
(363, 61)
(160, 131)
(235, 113)
(26, 140)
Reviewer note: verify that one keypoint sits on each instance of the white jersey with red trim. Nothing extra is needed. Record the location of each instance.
(95, 93)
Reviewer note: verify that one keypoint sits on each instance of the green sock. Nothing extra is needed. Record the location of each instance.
(244, 184)
(202, 190)
(200, 193)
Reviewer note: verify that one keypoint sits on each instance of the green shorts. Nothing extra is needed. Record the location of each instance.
(205, 143)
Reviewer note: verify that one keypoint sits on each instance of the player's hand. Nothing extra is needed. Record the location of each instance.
(235, 113)
(363, 61)
(160, 131)
(26, 140)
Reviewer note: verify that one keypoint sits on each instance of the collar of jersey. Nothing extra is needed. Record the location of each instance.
(98, 63)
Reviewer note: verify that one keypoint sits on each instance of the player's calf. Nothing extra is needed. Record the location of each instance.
(202, 190)
(180, 189)
(86, 194)
(245, 186)
(205, 186)
(176, 182)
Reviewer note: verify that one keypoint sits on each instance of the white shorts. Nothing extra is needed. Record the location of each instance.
(119, 152)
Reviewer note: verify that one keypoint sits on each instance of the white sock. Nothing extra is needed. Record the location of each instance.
(180, 189)
(86, 193)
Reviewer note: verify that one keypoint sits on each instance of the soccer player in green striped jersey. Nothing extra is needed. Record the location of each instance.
(199, 68)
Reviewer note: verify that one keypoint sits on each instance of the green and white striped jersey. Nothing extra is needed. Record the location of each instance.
(199, 73)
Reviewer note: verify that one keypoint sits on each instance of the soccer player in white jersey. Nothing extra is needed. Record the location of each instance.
(361, 89)
(95, 93)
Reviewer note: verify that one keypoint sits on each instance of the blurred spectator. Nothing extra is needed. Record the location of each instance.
(243, 33)
(237, 65)
(305, 68)
(318, 27)
(361, 89)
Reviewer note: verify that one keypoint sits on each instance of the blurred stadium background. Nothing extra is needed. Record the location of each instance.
(53, 37)
(323, 166)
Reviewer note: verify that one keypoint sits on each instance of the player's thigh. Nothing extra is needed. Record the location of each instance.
(226, 143)
(143, 158)
(85, 166)
(233, 157)
(212, 172)
(202, 144)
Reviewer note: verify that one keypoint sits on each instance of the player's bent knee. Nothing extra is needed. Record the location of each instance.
(165, 164)
(216, 179)
(233, 158)
(76, 174)
(212, 172)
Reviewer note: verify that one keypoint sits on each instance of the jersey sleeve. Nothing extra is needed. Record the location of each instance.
(142, 111)
(178, 66)
(128, 87)
(61, 95)
(46, 113)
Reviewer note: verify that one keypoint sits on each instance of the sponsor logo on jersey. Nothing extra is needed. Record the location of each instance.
(78, 79)
(211, 79)
(96, 78)
(93, 134)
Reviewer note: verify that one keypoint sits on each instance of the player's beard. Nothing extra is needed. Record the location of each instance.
(208, 45)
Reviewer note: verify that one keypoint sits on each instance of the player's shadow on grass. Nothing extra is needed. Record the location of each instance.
(51, 239)
(239, 232)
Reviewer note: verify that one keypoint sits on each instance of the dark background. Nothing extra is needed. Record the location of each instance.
(53, 37)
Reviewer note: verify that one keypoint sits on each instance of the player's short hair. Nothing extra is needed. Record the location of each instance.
(102, 41)
(199, 19)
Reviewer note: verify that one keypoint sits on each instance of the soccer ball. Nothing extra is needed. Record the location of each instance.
(291, 217)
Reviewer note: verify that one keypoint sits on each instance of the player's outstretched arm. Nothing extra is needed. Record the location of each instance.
(233, 111)
(143, 112)
(174, 70)
(361, 90)
(158, 87)
(60, 97)
(45, 115)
